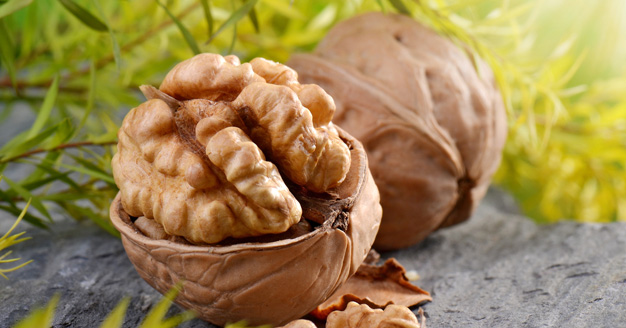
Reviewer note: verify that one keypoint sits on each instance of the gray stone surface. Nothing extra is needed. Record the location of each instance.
(502, 270)
(498, 270)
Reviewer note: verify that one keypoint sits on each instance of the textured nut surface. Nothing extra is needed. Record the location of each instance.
(301, 323)
(433, 127)
(266, 282)
(204, 157)
(355, 315)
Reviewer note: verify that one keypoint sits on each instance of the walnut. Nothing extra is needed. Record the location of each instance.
(433, 126)
(355, 315)
(200, 169)
(301, 323)
(234, 181)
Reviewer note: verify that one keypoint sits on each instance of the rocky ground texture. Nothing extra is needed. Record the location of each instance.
(498, 270)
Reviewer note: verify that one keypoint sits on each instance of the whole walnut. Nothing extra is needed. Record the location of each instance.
(234, 181)
(432, 125)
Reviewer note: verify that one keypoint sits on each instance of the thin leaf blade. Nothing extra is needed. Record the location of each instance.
(254, 19)
(7, 52)
(12, 6)
(235, 17)
(41, 317)
(46, 108)
(84, 16)
(208, 15)
(117, 57)
(115, 319)
(25, 194)
(400, 7)
(191, 42)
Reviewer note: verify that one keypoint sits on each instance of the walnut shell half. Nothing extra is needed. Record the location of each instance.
(433, 126)
(267, 282)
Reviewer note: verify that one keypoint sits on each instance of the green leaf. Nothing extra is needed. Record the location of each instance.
(63, 134)
(19, 218)
(208, 15)
(42, 182)
(79, 212)
(46, 167)
(400, 7)
(188, 37)
(39, 173)
(20, 148)
(41, 317)
(279, 7)
(234, 38)
(84, 16)
(115, 319)
(72, 196)
(154, 319)
(93, 167)
(29, 31)
(46, 108)
(12, 6)
(254, 19)
(93, 171)
(25, 194)
(235, 17)
(381, 5)
(90, 97)
(7, 52)
(116, 47)
(38, 222)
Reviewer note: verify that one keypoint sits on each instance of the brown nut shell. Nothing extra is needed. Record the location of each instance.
(273, 282)
(433, 126)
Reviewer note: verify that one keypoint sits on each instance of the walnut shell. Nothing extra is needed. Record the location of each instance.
(267, 282)
(433, 127)
(209, 156)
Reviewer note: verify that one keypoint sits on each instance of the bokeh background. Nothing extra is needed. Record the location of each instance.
(73, 67)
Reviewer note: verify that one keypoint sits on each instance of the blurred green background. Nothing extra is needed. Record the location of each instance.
(76, 65)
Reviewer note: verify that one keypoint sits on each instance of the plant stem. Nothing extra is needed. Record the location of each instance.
(59, 147)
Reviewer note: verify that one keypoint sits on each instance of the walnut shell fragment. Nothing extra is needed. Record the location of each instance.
(433, 126)
(218, 157)
(375, 286)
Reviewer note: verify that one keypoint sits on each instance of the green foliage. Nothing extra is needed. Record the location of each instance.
(154, 319)
(8, 240)
(563, 86)
(12, 6)
(42, 318)
(84, 16)
(244, 324)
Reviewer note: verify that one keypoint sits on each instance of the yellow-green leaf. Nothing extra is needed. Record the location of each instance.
(25, 194)
(12, 6)
(7, 52)
(46, 108)
(84, 16)
(188, 37)
(208, 15)
(42, 317)
(115, 319)
(235, 17)
(400, 7)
